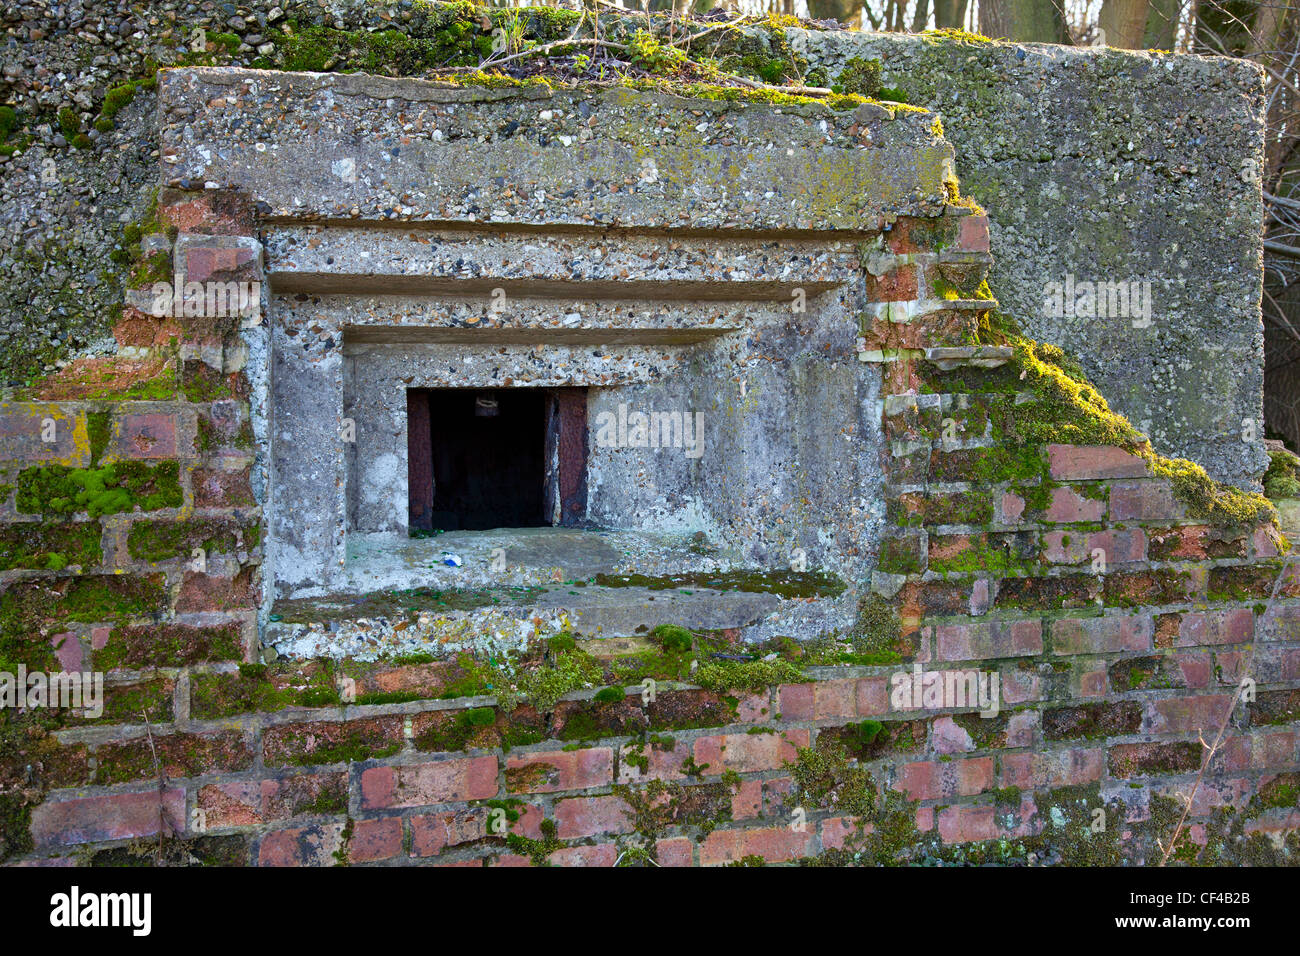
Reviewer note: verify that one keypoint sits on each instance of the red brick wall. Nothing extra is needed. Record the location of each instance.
(1109, 680)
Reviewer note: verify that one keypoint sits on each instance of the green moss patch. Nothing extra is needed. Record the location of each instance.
(29, 610)
(168, 645)
(1066, 409)
(166, 540)
(1282, 479)
(788, 584)
(113, 489)
(262, 688)
(50, 546)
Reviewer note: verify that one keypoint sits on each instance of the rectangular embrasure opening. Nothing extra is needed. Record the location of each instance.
(481, 459)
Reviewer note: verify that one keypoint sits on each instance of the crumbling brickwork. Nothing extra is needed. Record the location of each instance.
(1111, 673)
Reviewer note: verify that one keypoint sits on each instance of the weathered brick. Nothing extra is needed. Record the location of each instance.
(1101, 635)
(839, 832)
(747, 801)
(1111, 547)
(444, 781)
(981, 640)
(202, 592)
(1265, 541)
(1092, 720)
(774, 844)
(219, 260)
(602, 854)
(967, 824)
(432, 833)
(1092, 679)
(896, 285)
(1184, 715)
(1011, 509)
(1020, 686)
(973, 234)
(834, 698)
(553, 770)
(305, 793)
(314, 845)
(872, 696)
(1068, 506)
(1194, 543)
(675, 852)
(1200, 629)
(149, 435)
(23, 429)
(578, 817)
(1090, 462)
(216, 212)
(748, 753)
(1145, 759)
(1059, 768)
(214, 488)
(1144, 501)
(1281, 623)
(918, 599)
(938, 780)
(375, 840)
(120, 816)
(796, 701)
(659, 764)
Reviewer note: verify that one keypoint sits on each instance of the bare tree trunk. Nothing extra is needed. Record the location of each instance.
(950, 14)
(1124, 23)
(1266, 33)
(1028, 21)
(1162, 24)
(921, 15)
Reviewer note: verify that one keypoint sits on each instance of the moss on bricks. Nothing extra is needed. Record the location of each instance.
(112, 489)
(901, 555)
(320, 743)
(127, 703)
(1066, 409)
(1092, 721)
(97, 431)
(50, 546)
(166, 540)
(200, 382)
(233, 850)
(168, 645)
(178, 755)
(456, 730)
(878, 630)
(537, 851)
(30, 609)
(752, 676)
(544, 686)
(1275, 707)
(1282, 479)
(828, 780)
(262, 688)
